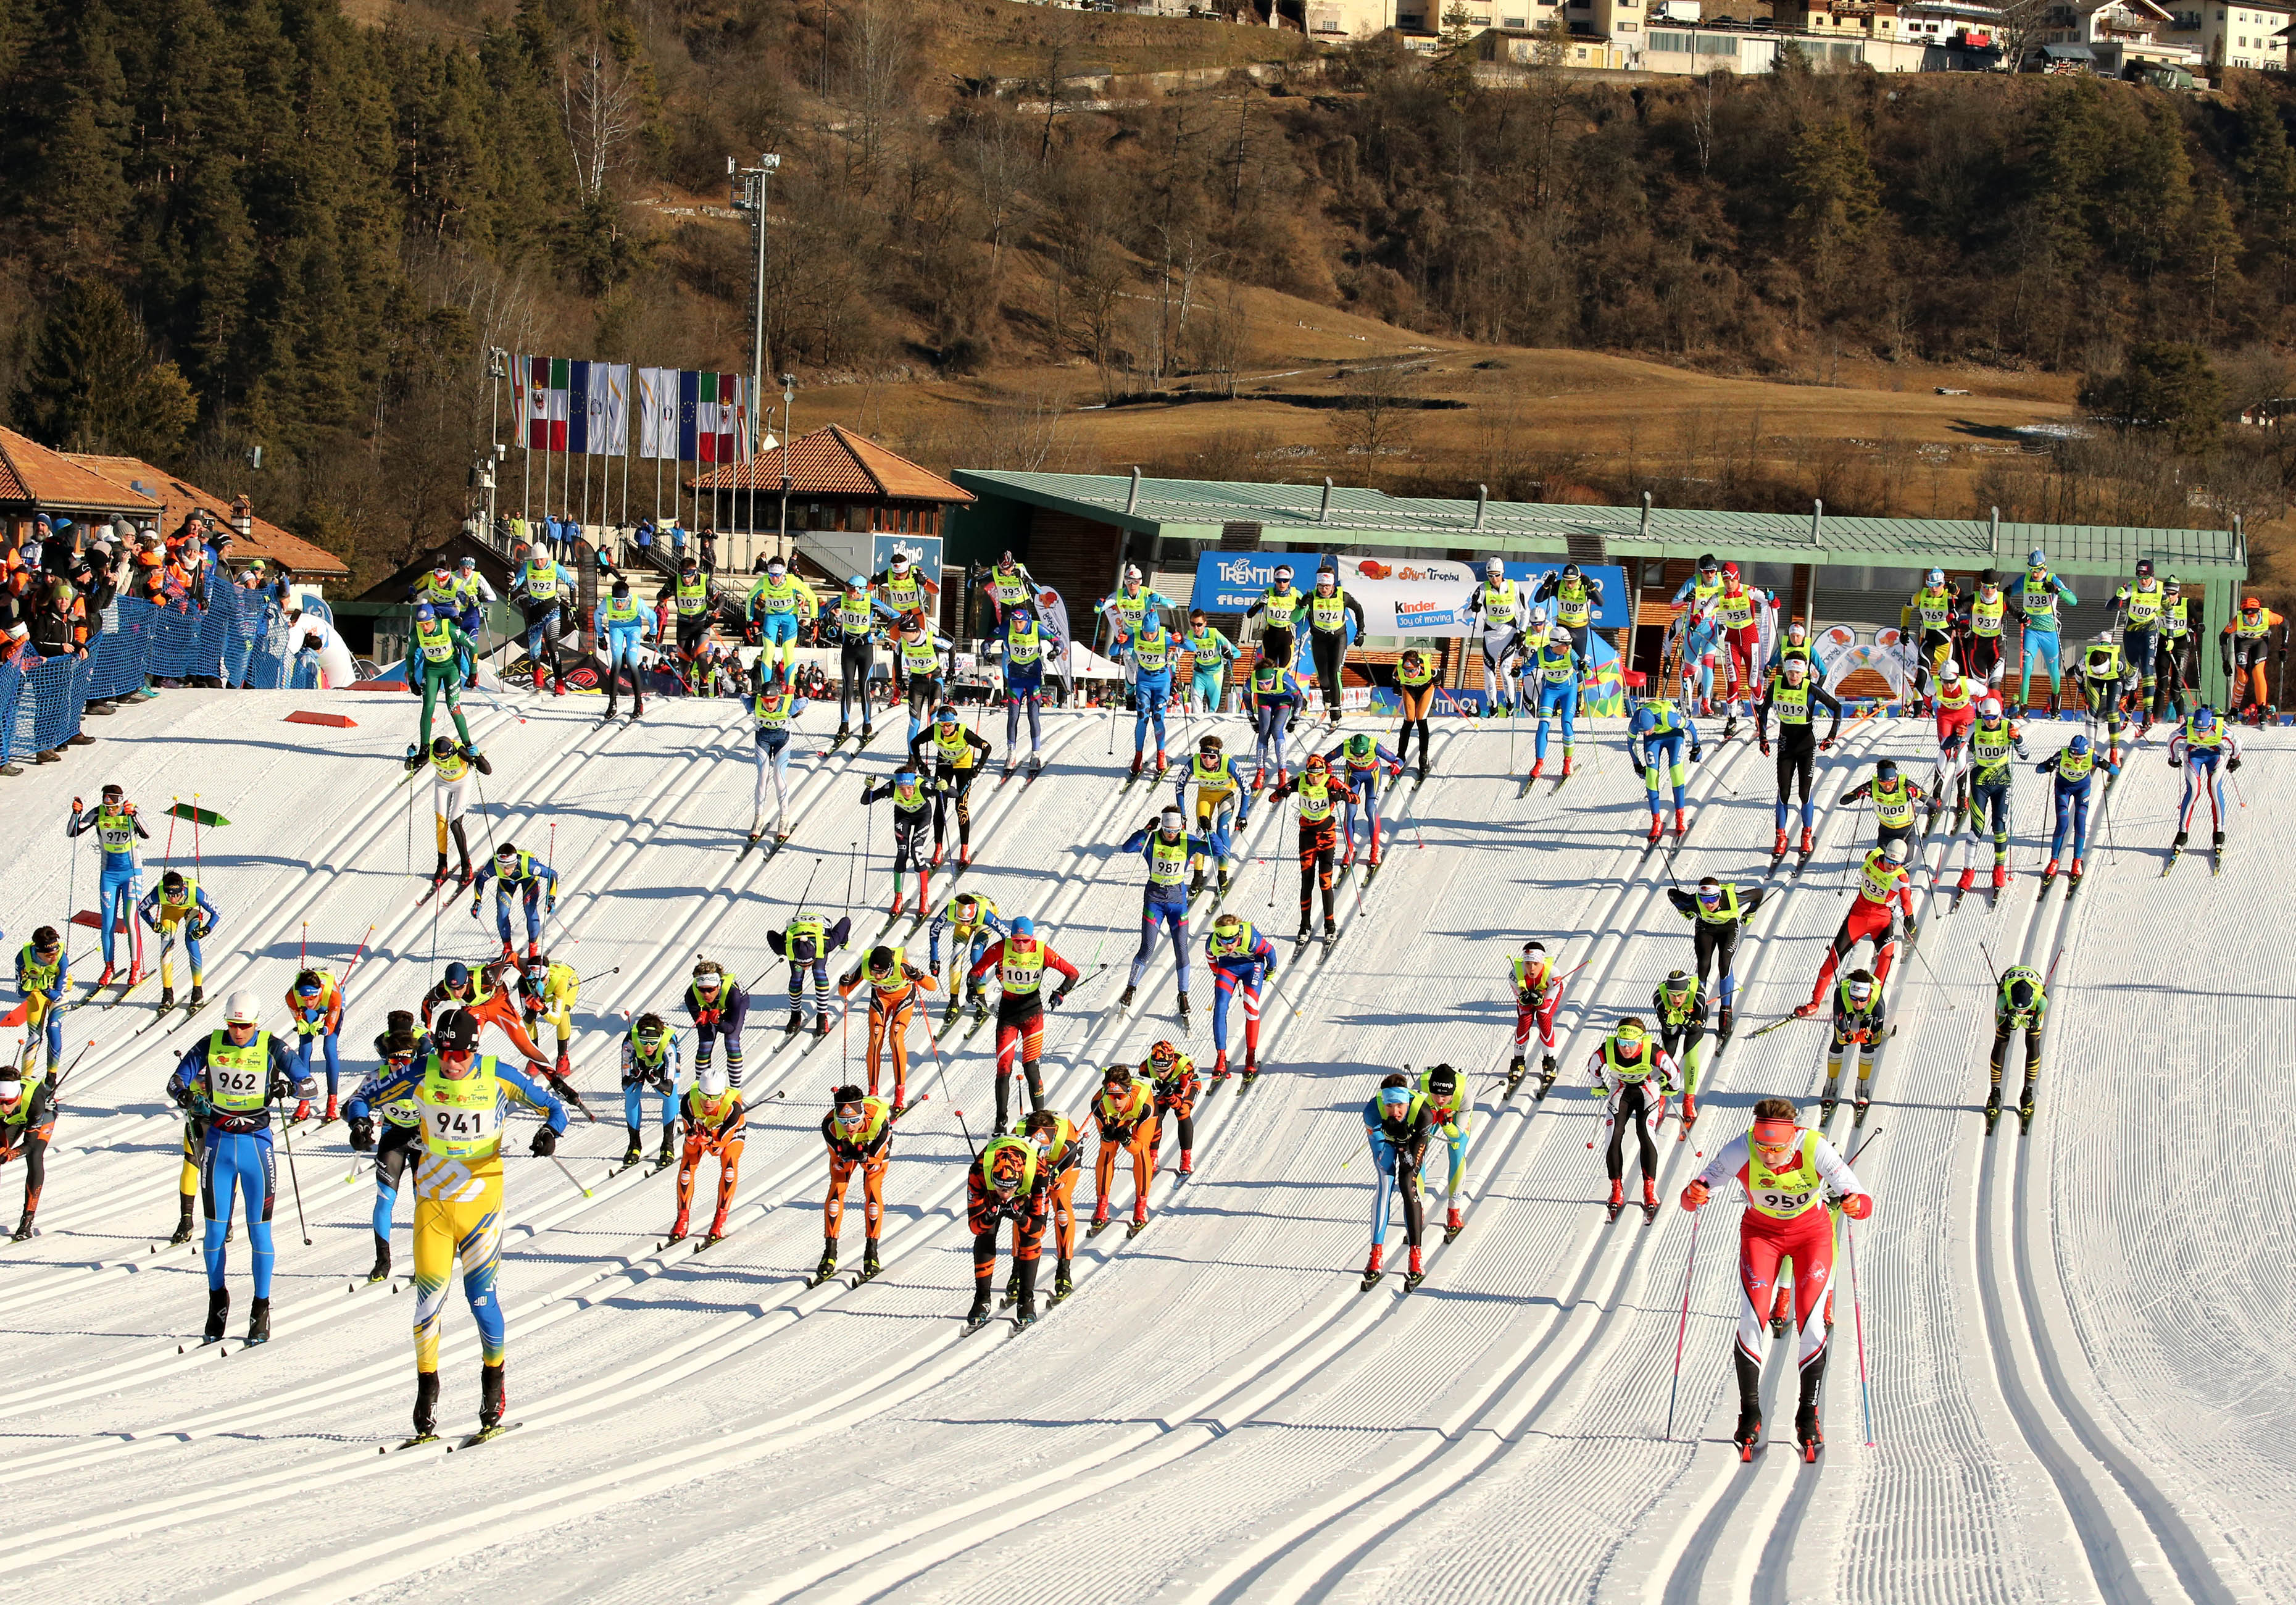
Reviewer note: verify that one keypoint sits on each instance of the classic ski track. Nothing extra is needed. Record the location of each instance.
(562, 1209)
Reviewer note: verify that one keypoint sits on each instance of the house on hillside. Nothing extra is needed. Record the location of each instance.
(253, 538)
(2117, 38)
(2252, 36)
(1915, 21)
(35, 479)
(835, 492)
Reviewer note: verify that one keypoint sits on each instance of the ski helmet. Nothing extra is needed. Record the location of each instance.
(458, 974)
(1894, 849)
(1990, 708)
(1316, 764)
(1560, 636)
(1887, 769)
(1537, 617)
(1442, 1080)
(1171, 822)
(1950, 670)
(1937, 576)
(709, 1081)
(1360, 745)
(2144, 568)
(2077, 745)
(1708, 562)
(2037, 558)
(1163, 1056)
(442, 746)
(1570, 570)
(244, 1009)
(2020, 993)
(1496, 569)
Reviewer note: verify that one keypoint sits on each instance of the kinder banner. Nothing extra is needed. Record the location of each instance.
(1400, 597)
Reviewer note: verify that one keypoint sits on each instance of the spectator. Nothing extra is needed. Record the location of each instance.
(759, 567)
(678, 543)
(709, 552)
(644, 552)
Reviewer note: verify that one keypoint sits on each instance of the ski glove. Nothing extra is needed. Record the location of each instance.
(361, 1136)
(1696, 751)
(1765, 749)
(1694, 1196)
(1060, 996)
(2231, 764)
(1857, 1206)
(474, 908)
(545, 1142)
(1597, 1090)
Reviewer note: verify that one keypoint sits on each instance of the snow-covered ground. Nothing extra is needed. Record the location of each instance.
(2081, 1377)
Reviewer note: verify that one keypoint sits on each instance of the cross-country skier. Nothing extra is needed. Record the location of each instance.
(1554, 669)
(777, 603)
(1450, 1115)
(916, 669)
(774, 707)
(805, 944)
(2178, 654)
(1718, 912)
(471, 594)
(2035, 603)
(1020, 961)
(1956, 703)
(397, 1046)
(1010, 586)
(2203, 744)
(1276, 697)
(915, 803)
(1994, 744)
(688, 593)
(972, 923)
(1209, 653)
(1787, 1173)
(1739, 606)
(1334, 619)
(649, 1064)
(1060, 1160)
(546, 994)
(43, 978)
(2136, 610)
(1414, 685)
(1008, 1180)
(541, 589)
(1154, 653)
(1859, 1026)
(1501, 605)
(1576, 595)
(435, 652)
(1128, 609)
(2247, 643)
(1320, 793)
(2108, 683)
(1883, 889)
(178, 904)
(894, 984)
(119, 883)
(1894, 798)
(1166, 846)
(1982, 618)
(1125, 1110)
(716, 1125)
(534, 883)
(2022, 1005)
(2073, 767)
(1538, 993)
(904, 588)
(1243, 960)
(855, 619)
(1928, 620)
(719, 1007)
(1025, 645)
(622, 624)
(1397, 1124)
(858, 1132)
(1178, 1087)
(1279, 638)
(1364, 757)
(1679, 1002)
(1222, 807)
(28, 1121)
(1636, 1076)
(958, 756)
(450, 794)
(315, 1003)
(1792, 696)
(1657, 732)
(237, 1073)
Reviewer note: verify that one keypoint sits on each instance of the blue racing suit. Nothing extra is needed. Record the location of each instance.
(2071, 795)
(1659, 730)
(1153, 655)
(1241, 963)
(117, 830)
(1398, 1147)
(641, 1073)
(236, 1087)
(1164, 903)
(2035, 599)
(1556, 670)
(1024, 679)
(536, 882)
(622, 624)
(1212, 651)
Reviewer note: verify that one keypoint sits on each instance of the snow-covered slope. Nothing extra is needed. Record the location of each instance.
(2079, 1377)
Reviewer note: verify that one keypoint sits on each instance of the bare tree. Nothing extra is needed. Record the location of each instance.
(601, 103)
(1378, 412)
(1221, 336)
(880, 47)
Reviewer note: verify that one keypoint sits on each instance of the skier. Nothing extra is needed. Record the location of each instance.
(773, 709)
(435, 654)
(450, 790)
(972, 923)
(2023, 1006)
(1277, 695)
(2178, 654)
(1024, 685)
(1223, 807)
(1060, 1160)
(805, 944)
(1008, 1180)
(719, 1007)
(859, 1132)
(1894, 798)
(1556, 672)
(1178, 1087)
(178, 903)
(540, 589)
(1320, 795)
(536, 884)
(1501, 607)
(315, 1003)
(688, 592)
(1335, 617)
(649, 1064)
(1718, 912)
(1793, 696)
(1279, 638)
(2136, 611)
(1792, 642)
(1636, 1076)
(1882, 883)
(1928, 619)
(1167, 847)
(2035, 603)
(777, 602)
(2247, 643)
(1786, 1172)
(1414, 684)
(1020, 959)
(1576, 597)
(1679, 1002)
(1659, 730)
(1152, 655)
(458, 1197)
(1209, 653)
(1364, 757)
(1859, 1027)
(1243, 960)
(905, 591)
(1128, 609)
(915, 803)
(396, 1045)
(2073, 766)
(1010, 586)
(854, 619)
(1983, 617)
(621, 624)
(916, 666)
(1397, 1124)
(1126, 1113)
(2202, 743)
(1993, 743)
(120, 882)
(958, 756)
(893, 986)
(485, 1000)
(2108, 682)
(547, 993)
(471, 594)
(28, 1123)
(1738, 607)
(238, 1072)
(1450, 1115)
(1538, 993)
(1696, 593)
(716, 1125)
(1701, 653)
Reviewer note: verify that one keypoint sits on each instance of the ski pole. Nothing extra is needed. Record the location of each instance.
(355, 958)
(600, 975)
(1856, 827)
(1858, 1313)
(852, 857)
(287, 1136)
(1915, 951)
(1682, 1330)
(569, 1174)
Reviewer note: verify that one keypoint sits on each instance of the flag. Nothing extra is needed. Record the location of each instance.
(743, 444)
(578, 407)
(537, 403)
(705, 418)
(689, 407)
(521, 417)
(657, 412)
(729, 414)
(560, 377)
(612, 435)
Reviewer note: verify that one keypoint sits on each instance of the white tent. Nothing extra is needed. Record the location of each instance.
(1085, 664)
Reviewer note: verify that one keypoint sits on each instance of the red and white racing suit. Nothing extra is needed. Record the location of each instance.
(1786, 1218)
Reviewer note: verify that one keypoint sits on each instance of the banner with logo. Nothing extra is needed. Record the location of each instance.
(1840, 654)
(1400, 597)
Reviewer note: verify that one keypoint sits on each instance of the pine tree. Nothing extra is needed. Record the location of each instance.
(92, 385)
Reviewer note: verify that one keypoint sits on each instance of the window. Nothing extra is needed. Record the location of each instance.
(1518, 22)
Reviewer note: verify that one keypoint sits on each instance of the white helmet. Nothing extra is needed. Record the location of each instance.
(1990, 707)
(1560, 637)
(1495, 568)
(711, 1080)
(1949, 670)
(243, 1008)
(1894, 852)
(1538, 616)
(1937, 576)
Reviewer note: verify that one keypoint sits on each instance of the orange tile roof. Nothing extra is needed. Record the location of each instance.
(178, 498)
(833, 461)
(51, 482)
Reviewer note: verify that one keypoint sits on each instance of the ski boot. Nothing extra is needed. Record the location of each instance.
(258, 1321)
(1027, 1313)
(820, 1025)
(1829, 1098)
(1749, 1435)
(2000, 875)
(23, 1232)
(1566, 763)
(844, 729)
(104, 979)
(167, 997)
(1689, 1110)
(823, 1271)
(1807, 1430)
(2074, 873)
(1808, 843)
(492, 1396)
(1729, 1015)
(2176, 845)
(2025, 1107)
(1161, 763)
(1515, 1068)
(868, 731)
(1778, 847)
(1225, 880)
(979, 1007)
(941, 850)
(426, 1404)
(382, 1270)
(2049, 872)
(182, 1224)
(796, 1023)
(1680, 830)
(1187, 1162)
(870, 1265)
(977, 1316)
(1992, 1108)
(965, 855)
(1618, 1199)
(1454, 1223)
(218, 1314)
(635, 1152)
(1418, 1271)
(1537, 765)
(1650, 1197)
(680, 1226)
(1370, 1267)
(199, 995)
(332, 1112)
(1124, 1000)
(302, 1112)
(1185, 1023)
(669, 1155)
(1135, 773)
(1062, 1284)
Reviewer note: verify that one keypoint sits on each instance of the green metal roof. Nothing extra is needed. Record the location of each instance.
(1197, 509)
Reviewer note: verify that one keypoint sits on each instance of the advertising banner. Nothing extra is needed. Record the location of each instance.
(1400, 597)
